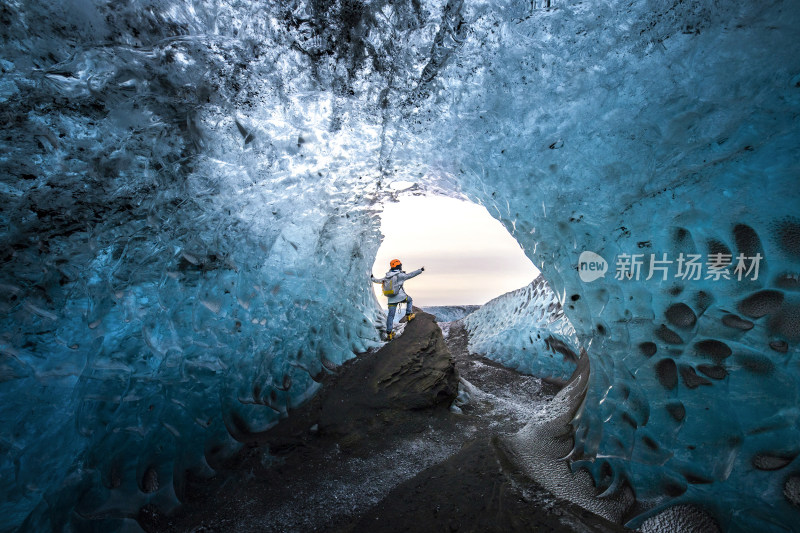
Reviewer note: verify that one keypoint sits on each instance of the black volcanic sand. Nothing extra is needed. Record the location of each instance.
(378, 449)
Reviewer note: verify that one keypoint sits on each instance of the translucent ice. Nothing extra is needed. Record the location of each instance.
(526, 330)
(187, 212)
(449, 313)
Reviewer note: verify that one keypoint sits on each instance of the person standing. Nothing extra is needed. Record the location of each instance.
(392, 285)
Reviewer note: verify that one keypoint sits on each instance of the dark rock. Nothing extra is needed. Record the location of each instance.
(414, 371)
(376, 390)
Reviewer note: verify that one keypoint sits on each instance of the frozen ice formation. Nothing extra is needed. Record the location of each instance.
(450, 313)
(527, 330)
(188, 209)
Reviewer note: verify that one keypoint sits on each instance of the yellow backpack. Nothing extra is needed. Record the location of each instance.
(388, 286)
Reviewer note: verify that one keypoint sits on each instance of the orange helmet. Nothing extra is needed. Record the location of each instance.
(394, 263)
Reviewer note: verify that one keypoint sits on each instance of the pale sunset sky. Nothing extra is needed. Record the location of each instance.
(469, 257)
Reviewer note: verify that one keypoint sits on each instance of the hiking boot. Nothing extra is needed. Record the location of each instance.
(408, 318)
(390, 336)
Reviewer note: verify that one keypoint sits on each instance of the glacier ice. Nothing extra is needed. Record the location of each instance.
(526, 330)
(450, 313)
(188, 195)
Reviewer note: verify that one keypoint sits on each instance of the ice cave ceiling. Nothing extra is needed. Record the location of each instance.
(188, 212)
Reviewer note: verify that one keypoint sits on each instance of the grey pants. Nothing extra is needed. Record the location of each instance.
(393, 309)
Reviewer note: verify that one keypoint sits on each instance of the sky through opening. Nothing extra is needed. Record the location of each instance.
(469, 257)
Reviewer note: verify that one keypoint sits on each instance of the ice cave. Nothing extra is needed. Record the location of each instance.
(190, 208)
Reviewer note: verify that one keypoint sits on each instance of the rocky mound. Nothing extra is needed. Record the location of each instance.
(413, 372)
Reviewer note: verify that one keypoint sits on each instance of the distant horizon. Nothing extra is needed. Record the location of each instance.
(469, 257)
(443, 305)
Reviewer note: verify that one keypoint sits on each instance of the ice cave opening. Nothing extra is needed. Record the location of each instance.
(469, 256)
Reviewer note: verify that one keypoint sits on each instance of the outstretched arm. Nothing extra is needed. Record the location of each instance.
(415, 273)
(375, 280)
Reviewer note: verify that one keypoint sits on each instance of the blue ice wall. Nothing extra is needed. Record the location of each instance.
(188, 193)
(183, 256)
(655, 128)
(526, 330)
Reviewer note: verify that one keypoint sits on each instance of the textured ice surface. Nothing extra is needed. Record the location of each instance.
(449, 313)
(526, 330)
(186, 208)
(540, 446)
(680, 519)
(178, 265)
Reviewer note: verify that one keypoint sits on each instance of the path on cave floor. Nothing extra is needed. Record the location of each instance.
(501, 400)
(328, 487)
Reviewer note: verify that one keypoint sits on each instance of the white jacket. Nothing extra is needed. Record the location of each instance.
(400, 277)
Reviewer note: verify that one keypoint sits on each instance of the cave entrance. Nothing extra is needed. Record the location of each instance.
(469, 257)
